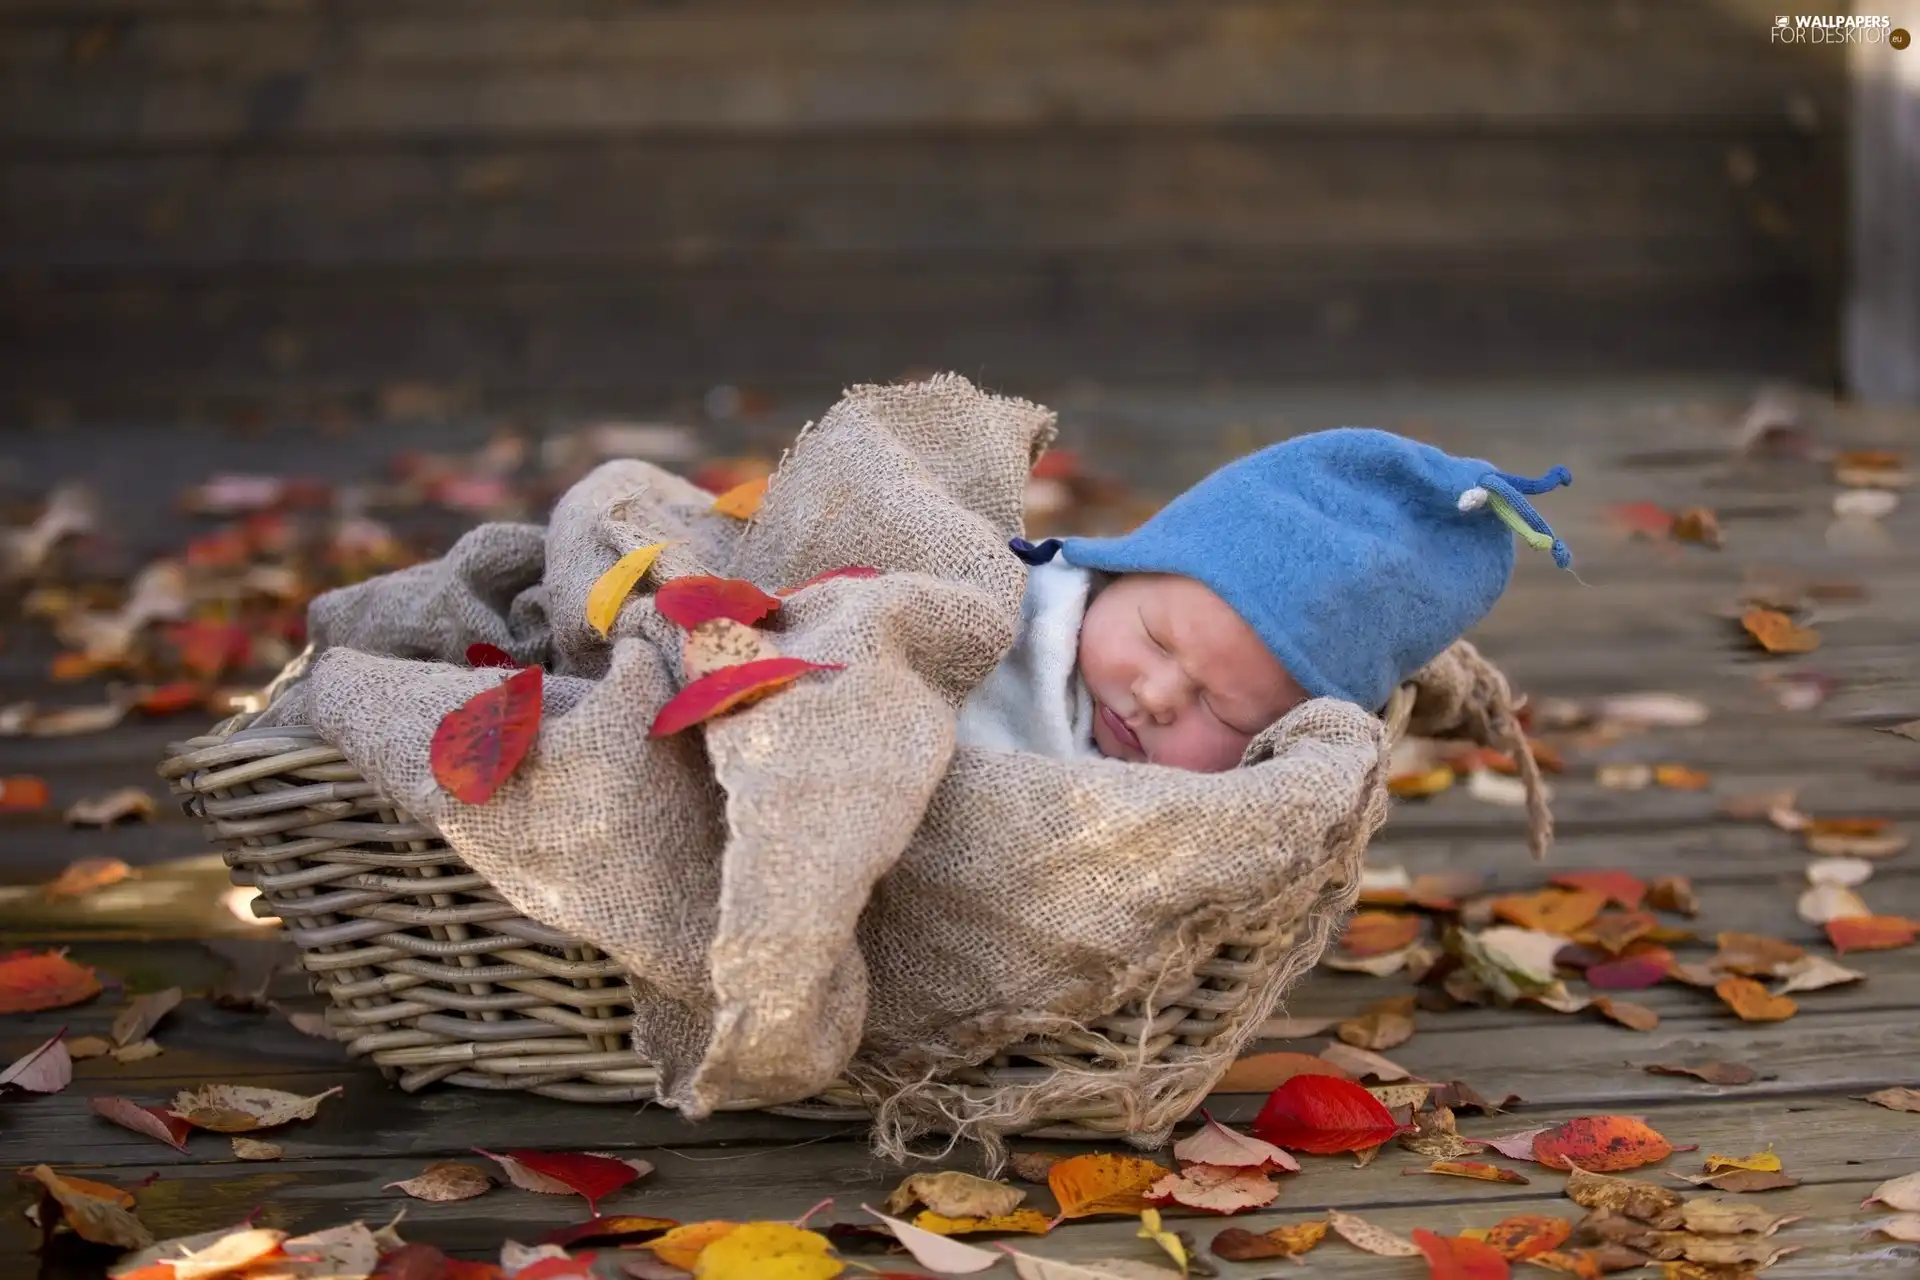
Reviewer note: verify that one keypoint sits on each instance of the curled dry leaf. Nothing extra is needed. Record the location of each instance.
(1460, 1096)
(1895, 1099)
(85, 875)
(1631, 973)
(446, 1180)
(1635, 1016)
(142, 1014)
(254, 1149)
(1697, 525)
(1385, 1025)
(1380, 966)
(611, 589)
(1646, 1202)
(1624, 777)
(1375, 933)
(1323, 1116)
(479, 744)
(31, 981)
(1363, 1235)
(1433, 1135)
(92, 1217)
(934, 1252)
(138, 1051)
(221, 1252)
(128, 803)
(1213, 1189)
(1752, 1002)
(1870, 933)
(1421, 783)
(1473, 1169)
(1099, 1183)
(1215, 1144)
(1519, 1238)
(1820, 903)
(1754, 954)
(1849, 873)
(1412, 1096)
(1721, 1073)
(728, 689)
(47, 1068)
(1760, 1162)
(1902, 1193)
(953, 1194)
(1731, 1218)
(1236, 1244)
(1514, 1146)
(152, 1121)
(243, 1108)
(1777, 633)
(1494, 788)
(1742, 1181)
(1600, 1144)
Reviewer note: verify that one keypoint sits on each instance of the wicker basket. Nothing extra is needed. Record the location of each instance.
(435, 978)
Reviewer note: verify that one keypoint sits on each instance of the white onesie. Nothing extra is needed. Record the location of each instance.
(1035, 700)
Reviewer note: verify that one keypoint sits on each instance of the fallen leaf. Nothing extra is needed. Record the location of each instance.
(1904, 1227)
(850, 571)
(1394, 1096)
(446, 1180)
(45, 1069)
(482, 654)
(730, 687)
(1380, 966)
(1752, 1002)
(1472, 1169)
(1697, 525)
(23, 794)
(1384, 1025)
(1870, 933)
(1720, 1073)
(1673, 893)
(254, 1149)
(85, 875)
(152, 1121)
(1029, 1267)
(1514, 1146)
(1776, 632)
(1865, 504)
(1730, 1218)
(953, 1194)
(1902, 1193)
(345, 1252)
(1754, 954)
(93, 1218)
(742, 501)
(1433, 1135)
(243, 1108)
(682, 1246)
(479, 744)
(142, 1014)
(138, 1051)
(1214, 1189)
(1264, 1072)
(1628, 891)
(611, 589)
(935, 1252)
(67, 722)
(1680, 777)
(1033, 1166)
(1421, 783)
(115, 806)
(1733, 1252)
(1098, 1183)
(1624, 777)
(1215, 1144)
(1512, 962)
(1029, 1222)
(1600, 1144)
(1646, 1202)
(1519, 1238)
(1634, 1016)
(1375, 933)
(1172, 1245)
(1363, 1235)
(1653, 710)
(1236, 1244)
(1323, 1115)
(1821, 903)
(1850, 873)
(589, 1175)
(1293, 1029)
(1742, 1181)
(1895, 1099)
(696, 598)
(31, 981)
(1494, 788)
(208, 1254)
(621, 1229)
(1640, 519)
(1844, 844)
(1459, 1096)
(1631, 973)
(1459, 1258)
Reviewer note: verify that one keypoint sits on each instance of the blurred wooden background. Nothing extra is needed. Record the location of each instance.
(279, 202)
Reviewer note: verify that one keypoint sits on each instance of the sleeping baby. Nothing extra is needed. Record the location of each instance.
(1332, 565)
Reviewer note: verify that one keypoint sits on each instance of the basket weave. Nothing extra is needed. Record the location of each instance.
(435, 978)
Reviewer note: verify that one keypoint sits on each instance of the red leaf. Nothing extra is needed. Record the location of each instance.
(1458, 1258)
(209, 648)
(1869, 933)
(580, 1268)
(1323, 1115)
(1630, 973)
(155, 1122)
(481, 742)
(31, 981)
(413, 1262)
(700, 597)
(23, 793)
(1640, 517)
(1600, 1144)
(172, 699)
(851, 571)
(729, 687)
(592, 1177)
(482, 654)
(1627, 890)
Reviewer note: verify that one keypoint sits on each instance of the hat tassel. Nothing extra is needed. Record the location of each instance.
(1502, 493)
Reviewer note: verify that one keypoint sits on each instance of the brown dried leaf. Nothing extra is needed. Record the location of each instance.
(138, 1051)
(446, 1180)
(1460, 1096)
(1730, 1218)
(254, 1149)
(953, 1194)
(1628, 1014)
(93, 1218)
(1236, 1244)
(1384, 1025)
(1351, 1062)
(1645, 1202)
(1033, 1166)
(1721, 1073)
(242, 1108)
(116, 806)
(1435, 1136)
(1777, 633)
(1895, 1099)
(1363, 1235)
(142, 1014)
(1742, 1181)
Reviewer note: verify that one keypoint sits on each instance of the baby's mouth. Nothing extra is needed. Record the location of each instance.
(1118, 728)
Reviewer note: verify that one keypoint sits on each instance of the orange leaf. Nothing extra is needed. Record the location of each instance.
(1629, 891)
(23, 794)
(67, 667)
(1869, 933)
(1458, 1258)
(1615, 931)
(1776, 633)
(851, 571)
(1473, 1169)
(1323, 1115)
(31, 981)
(1237, 1244)
(1647, 518)
(1099, 1183)
(1697, 524)
(729, 687)
(696, 598)
(743, 500)
(1845, 826)
(681, 1246)
(1753, 1002)
(1679, 777)
(172, 699)
(1265, 1072)
(1214, 1189)
(1600, 1144)
(1561, 911)
(481, 742)
(1425, 782)
(1375, 933)
(1519, 1238)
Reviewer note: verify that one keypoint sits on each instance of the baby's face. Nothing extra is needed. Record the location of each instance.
(1177, 677)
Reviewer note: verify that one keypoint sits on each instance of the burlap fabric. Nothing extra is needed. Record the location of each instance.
(822, 886)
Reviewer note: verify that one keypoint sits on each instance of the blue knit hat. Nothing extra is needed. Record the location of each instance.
(1357, 555)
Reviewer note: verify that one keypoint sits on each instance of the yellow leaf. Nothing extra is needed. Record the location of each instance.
(743, 500)
(1764, 1162)
(768, 1251)
(681, 1246)
(1426, 782)
(1150, 1229)
(1100, 1183)
(1029, 1222)
(617, 583)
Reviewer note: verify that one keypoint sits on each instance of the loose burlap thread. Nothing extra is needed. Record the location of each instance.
(822, 887)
